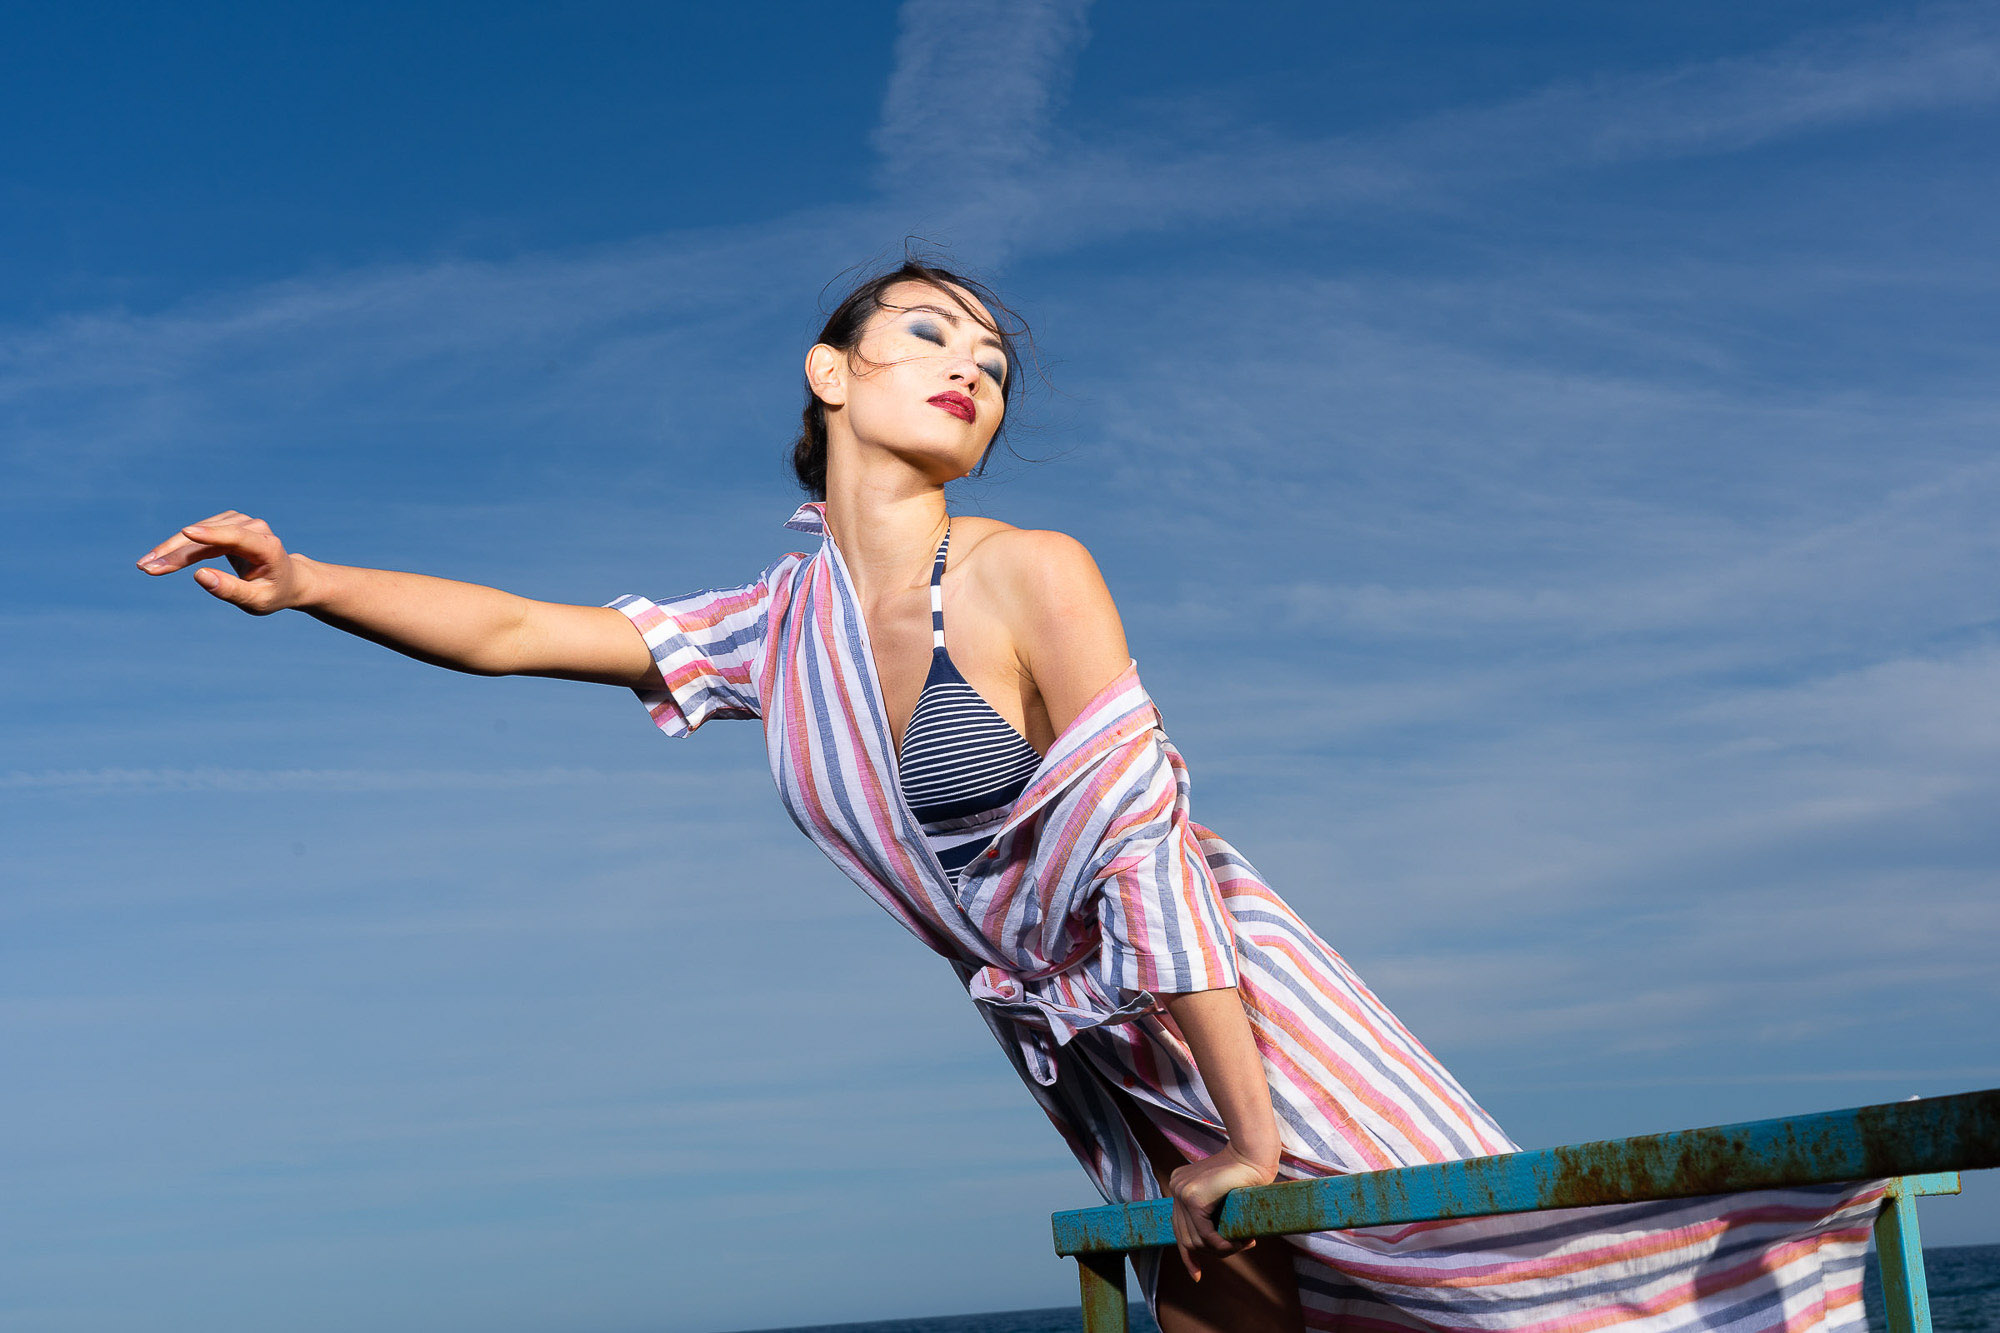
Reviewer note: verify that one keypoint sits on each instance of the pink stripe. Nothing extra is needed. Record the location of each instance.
(1203, 903)
(1356, 1136)
(1707, 1283)
(1339, 989)
(1569, 1260)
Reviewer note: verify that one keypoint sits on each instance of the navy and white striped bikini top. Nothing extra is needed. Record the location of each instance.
(961, 764)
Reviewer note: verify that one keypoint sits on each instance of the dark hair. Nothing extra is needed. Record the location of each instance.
(843, 332)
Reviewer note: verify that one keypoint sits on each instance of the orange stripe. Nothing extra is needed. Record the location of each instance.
(1343, 999)
(1325, 1099)
(1506, 1271)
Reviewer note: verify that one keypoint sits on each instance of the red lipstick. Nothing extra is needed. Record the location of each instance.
(957, 404)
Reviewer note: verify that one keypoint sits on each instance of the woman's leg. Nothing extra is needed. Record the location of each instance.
(1251, 1291)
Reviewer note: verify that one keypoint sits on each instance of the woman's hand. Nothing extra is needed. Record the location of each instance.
(1197, 1190)
(463, 626)
(267, 577)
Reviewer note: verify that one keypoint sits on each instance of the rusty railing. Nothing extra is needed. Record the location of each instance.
(1920, 1145)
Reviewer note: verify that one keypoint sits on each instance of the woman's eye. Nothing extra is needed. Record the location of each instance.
(928, 332)
(997, 373)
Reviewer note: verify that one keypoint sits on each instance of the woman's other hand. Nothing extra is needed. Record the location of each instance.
(267, 577)
(1197, 1190)
(463, 626)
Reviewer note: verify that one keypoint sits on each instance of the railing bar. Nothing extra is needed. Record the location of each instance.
(1916, 1137)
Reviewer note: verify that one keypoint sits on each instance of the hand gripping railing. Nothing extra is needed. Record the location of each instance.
(1920, 1145)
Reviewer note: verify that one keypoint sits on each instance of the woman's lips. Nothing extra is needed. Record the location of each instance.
(957, 404)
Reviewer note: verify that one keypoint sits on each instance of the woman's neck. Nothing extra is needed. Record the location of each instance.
(887, 528)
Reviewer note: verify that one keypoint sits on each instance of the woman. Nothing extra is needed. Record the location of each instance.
(952, 716)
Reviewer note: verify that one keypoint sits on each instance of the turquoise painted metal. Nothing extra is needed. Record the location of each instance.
(1960, 1132)
(1921, 1144)
(1103, 1279)
(1905, 1295)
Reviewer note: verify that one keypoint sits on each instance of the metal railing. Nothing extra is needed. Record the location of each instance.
(1920, 1145)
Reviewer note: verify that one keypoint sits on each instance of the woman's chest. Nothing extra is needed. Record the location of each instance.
(902, 638)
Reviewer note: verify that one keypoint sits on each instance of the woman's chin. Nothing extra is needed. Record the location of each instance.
(937, 460)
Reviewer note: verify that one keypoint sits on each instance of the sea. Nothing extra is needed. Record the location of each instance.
(1964, 1285)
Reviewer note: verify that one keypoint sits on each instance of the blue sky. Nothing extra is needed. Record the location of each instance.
(1544, 455)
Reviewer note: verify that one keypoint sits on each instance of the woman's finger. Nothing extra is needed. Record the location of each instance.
(181, 550)
(223, 528)
(253, 540)
(164, 551)
(237, 592)
(226, 586)
(1205, 1232)
(177, 540)
(177, 554)
(1183, 1240)
(226, 519)
(245, 546)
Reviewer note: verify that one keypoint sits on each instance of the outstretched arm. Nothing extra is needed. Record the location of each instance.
(463, 626)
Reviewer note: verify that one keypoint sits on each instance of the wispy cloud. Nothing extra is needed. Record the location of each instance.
(974, 89)
(574, 343)
(1936, 59)
(564, 333)
(1944, 58)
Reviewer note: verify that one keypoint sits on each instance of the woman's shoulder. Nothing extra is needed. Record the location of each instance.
(1035, 562)
(1045, 588)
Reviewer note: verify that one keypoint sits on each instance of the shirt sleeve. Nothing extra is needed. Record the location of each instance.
(1164, 927)
(708, 646)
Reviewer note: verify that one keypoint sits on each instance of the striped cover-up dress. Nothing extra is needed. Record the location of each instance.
(1098, 893)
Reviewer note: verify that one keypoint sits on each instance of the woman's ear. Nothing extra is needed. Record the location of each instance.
(826, 373)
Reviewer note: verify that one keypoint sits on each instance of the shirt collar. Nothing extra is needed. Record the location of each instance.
(809, 517)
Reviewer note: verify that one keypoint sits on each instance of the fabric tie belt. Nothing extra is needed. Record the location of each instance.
(1042, 1021)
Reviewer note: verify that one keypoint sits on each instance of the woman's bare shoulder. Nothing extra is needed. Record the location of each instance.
(1061, 617)
(1037, 563)
(1066, 631)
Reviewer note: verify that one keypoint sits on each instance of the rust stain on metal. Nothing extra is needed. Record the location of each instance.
(1941, 1134)
(1686, 1164)
(1103, 1282)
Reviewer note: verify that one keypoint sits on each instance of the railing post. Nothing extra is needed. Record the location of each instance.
(1103, 1278)
(1899, 1249)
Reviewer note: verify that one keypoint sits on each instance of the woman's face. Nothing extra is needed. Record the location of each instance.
(925, 383)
